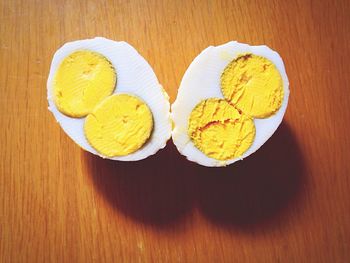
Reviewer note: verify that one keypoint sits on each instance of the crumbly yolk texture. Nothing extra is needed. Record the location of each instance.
(219, 130)
(119, 125)
(254, 85)
(83, 79)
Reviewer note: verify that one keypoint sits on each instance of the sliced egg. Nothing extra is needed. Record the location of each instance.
(231, 100)
(108, 100)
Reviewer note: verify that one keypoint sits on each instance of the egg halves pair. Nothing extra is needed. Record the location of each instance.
(107, 98)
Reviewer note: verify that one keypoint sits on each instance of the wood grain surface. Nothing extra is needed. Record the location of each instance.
(289, 202)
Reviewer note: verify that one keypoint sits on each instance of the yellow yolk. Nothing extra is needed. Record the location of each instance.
(119, 125)
(82, 80)
(254, 85)
(219, 130)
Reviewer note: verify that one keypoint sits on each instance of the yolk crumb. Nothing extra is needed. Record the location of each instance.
(219, 130)
(83, 79)
(119, 125)
(254, 85)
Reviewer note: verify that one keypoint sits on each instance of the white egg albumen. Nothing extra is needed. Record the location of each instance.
(202, 81)
(134, 76)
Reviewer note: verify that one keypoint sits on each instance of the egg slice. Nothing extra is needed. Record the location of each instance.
(231, 100)
(108, 100)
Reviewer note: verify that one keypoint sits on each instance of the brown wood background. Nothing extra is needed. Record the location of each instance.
(290, 202)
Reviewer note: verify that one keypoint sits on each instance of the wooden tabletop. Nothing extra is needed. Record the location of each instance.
(289, 202)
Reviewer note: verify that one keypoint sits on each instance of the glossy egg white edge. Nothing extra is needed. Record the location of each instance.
(202, 81)
(134, 76)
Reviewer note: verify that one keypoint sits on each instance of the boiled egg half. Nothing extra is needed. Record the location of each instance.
(107, 98)
(231, 100)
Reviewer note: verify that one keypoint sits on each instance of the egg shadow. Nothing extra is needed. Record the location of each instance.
(155, 191)
(256, 193)
(248, 195)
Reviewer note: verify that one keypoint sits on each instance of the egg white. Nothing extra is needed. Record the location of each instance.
(134, 76)
(202, 81)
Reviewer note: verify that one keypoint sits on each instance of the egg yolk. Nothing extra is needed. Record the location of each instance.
(83, 79)
(254, 85)
(219, 130)
(119, 125)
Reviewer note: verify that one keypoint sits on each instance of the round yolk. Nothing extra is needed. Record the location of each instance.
(119, 125)
(82, 80)
(219, 130)
(254, 85)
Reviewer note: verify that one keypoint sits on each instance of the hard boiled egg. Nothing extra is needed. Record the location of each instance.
(231, 100)
(108, 100)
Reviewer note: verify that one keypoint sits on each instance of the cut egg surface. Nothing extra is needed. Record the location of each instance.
(107, 98)
(231, 100)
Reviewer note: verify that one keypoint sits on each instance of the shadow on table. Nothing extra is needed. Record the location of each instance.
(256, 192)
(155, 191)
(163, 188)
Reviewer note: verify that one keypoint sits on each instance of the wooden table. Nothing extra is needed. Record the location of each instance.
(289, 202)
